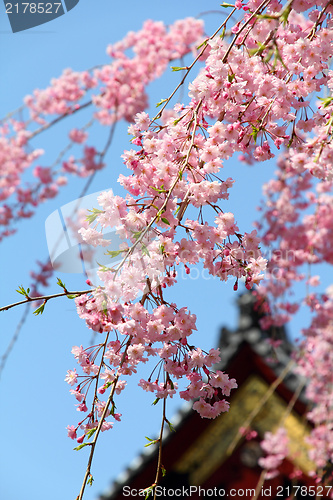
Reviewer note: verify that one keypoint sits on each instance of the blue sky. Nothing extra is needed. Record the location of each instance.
(37, 460)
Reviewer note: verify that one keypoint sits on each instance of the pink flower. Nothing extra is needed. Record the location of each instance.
(82, 407)
(71, 430)
(106, 426)
(78, 136)
(78, 395)
(71, 377)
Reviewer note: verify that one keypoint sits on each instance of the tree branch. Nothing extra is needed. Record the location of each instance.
(45, 298)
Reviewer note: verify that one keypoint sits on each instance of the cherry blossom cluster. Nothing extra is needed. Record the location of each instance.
(114, 91)
(86, 359)
(296, 228)
(315, 363)
(138, 335)
(299, 235)
(275, 445)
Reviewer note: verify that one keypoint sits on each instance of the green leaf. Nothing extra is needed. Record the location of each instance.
(105, 307)
(22, 291)
(40, 309)
(80, 446)
(269, 57)
(113, 253)
(149, 439)
(163, 470)
(290, 141)
(156, 401)
(91, 432)
(202, 44)
(255, 132)
(161, 102)
(257, 51)
(329, 123)
(165, 221)
(90, 480)
(226, 5)
(155, 441)
(159, 190)
(94, 214)
(178, 68)
(265, 16)
(171, 427)
(113, 405)
(60, 283)
(74, 296)
(145, 250)
(104, 269)
(327, 101)
(285, 15)
(137, 235)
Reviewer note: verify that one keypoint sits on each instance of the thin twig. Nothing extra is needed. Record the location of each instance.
(261, 481)
(60, 118)
(98, 373)
(188, 69)
(45, 298)
(160, 446)
(98, 430)
(162, 209)
(292, 402)
(10, 347)
(225, 57)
